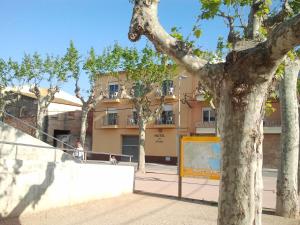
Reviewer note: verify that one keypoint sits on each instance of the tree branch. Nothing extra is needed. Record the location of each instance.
(50, 95)
(254, 21)
(284, 38)
(36, 91)
(233, 36)
(77, 91)
(145, 21)
(272, 21)
(266, 56)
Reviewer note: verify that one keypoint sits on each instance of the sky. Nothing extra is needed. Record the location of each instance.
(47, 26)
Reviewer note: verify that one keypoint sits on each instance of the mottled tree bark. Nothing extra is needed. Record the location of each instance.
(41, 123)
(142, 138)
(287, 203)
(84, 125)
(240, 197)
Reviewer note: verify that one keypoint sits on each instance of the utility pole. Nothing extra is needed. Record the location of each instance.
(181, 77)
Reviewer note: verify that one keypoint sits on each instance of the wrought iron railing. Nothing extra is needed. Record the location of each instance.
(164, 120)
(110, 120)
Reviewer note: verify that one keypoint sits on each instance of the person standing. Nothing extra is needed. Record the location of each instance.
(79, 150)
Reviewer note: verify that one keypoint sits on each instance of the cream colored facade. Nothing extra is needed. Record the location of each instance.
(118, 134)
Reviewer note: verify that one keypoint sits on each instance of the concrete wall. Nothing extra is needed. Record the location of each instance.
(35, 179)
(32, 186)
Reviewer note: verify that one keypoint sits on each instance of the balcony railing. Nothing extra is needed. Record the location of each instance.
(113, 95)
(166, 120)
(170, 91)
(202, 124)
(132, 121)
(271, 123)
(266, 123)
(110, 120)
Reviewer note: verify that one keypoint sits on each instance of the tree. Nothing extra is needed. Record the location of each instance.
(238, 86)
(287, 195)
(8, 78)
(93, 66)
(145, 71)
(3, 84)
(38, 72)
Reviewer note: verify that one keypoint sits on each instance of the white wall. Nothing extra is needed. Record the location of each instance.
(35, 179)
(55, 108)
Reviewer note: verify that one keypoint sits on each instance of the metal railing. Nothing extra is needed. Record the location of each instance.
(132, 120)
(266, 123)
(165, 120)
(110, 120)
(271, 123)
(169, 91)
(113, 95)
(68, 150)
(71, 148)
(202, 124)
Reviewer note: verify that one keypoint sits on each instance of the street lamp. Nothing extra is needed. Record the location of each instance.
(181, 77)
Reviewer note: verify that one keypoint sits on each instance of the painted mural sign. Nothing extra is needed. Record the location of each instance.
(200, 157)
(159, 138)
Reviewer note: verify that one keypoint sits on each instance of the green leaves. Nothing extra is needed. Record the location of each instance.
(3, 73)
(36, 69)
(295, 5)
(175, 33)
(72, 59)
(145, 67)
(197, 33)
(210, 8)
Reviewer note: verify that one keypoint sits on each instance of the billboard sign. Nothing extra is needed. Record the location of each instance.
(200, 157)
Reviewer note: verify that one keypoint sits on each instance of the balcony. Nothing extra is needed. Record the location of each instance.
(272, 126)
(132, 122)
(205, 127)
(110, 121)
(167, 121)
(113, 97)
(168, 93)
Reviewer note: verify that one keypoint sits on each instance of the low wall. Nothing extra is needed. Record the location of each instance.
(31, 186)
(33, 179)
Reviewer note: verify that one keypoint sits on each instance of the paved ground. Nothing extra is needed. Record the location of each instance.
(134, 209)
(163, 180)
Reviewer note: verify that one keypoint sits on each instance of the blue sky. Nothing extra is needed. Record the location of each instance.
(47, 26)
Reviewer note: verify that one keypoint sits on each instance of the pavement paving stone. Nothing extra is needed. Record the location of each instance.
(134, 209)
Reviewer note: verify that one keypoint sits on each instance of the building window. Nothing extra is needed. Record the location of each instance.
(208, 115)
(133, 118)
(112, 117)
(167, 87)
(139, 89)
(167, 115)
(113, 90)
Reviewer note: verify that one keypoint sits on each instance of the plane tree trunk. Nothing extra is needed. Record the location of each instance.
(41, 123)
(83, 127)
(240, 125)
(287, 203)
(142, 154)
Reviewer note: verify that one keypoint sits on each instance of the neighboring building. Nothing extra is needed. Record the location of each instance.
(63, 119)
(115, 127)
